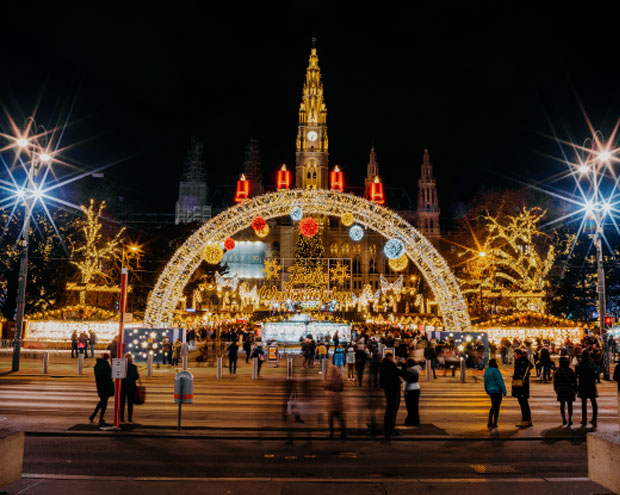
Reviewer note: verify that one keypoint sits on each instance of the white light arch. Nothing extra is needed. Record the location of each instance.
(187, 258)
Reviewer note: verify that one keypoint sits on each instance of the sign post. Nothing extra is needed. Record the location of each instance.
(120, 348)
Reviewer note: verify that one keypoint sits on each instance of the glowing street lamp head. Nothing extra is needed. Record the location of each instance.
(20, 193)
(37, 193)
(482, 254)
(604, 156)
(45, 158)
(22, 142)
(589, 208)
(606, 207)
(583, 169)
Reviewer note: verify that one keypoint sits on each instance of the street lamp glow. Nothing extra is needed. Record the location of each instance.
(482, 254)
(20, 193)
(583, 169)
(37, 193)
(589, 208)
(45, 158)
(22, 142)
(606, 207)
(604, 156)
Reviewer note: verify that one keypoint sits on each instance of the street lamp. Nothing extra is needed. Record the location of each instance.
(596, 207)
(29, 194)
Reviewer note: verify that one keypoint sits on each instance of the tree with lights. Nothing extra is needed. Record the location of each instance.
(94, 250)
(511, 265)
(309, 251)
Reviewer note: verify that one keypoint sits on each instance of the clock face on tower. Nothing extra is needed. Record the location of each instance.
(312, 136)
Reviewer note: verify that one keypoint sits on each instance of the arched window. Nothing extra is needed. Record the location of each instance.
(372, 266)
(357, 266)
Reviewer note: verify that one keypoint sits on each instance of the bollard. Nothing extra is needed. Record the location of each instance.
(428, 370)
(462, 369)
(324, 368)
(184, 363)
(46, 358)
(149, 365)
(181, 390)
(219, 368)
(254, 368)
(80, 363)
(289, 368)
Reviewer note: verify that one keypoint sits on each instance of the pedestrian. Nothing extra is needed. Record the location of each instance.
(375, 364)
(74, 344)
(565, 386)
(545, 365)
(176, 352)
(258, 353)
(431, 355)
(587, 372)
(496, 389)
(336, 403)
(521, 386)
(321, 351)
(166, 349)
(360, 362)
(92, 339)
(105, 386)
(83, 344)
(233, 350)
(247, 347)
(350, 360)
(390, 383)
(338, 357)
(128, 389)
(412, 392)
(113, 347)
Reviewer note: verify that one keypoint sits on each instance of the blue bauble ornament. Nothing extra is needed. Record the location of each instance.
(356, 232)
(297, 214)
(394, 248)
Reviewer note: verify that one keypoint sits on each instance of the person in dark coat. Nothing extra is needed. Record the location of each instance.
(521, 386)
(545, 365)
(565, 386)
(412, 392)
(233, 351)
(128, 389)
(587, 372)
(259, 353)
(389, 380)
(105, 386)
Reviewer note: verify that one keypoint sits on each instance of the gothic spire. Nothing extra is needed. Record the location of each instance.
(312, 109)
(194, 169)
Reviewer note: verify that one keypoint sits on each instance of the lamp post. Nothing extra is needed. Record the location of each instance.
(596, 208)
(29, 194)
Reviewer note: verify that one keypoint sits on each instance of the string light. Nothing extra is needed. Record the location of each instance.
(185, 261)
(356, 233)
(394, 248)
(264, 232)
(297, 214)
(399, 264)
(308, 227)
(347, 219)
(213, 254)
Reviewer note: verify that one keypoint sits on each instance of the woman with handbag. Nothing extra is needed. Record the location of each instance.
(521, 387)
(129, 388)
(565, 386)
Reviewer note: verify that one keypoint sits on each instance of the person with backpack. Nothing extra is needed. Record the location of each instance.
(412, 392)
(565, 386)
(338, 357)
(496, 389)
(587, 372)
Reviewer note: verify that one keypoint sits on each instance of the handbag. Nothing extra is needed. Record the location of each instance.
(517, 383)
(139, 396)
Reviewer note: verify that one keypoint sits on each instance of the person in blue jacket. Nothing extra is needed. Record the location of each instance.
(496, 389)
(338, 358)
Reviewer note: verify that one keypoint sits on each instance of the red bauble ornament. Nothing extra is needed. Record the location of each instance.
(229, 244)
(259, 223)
(308, 227)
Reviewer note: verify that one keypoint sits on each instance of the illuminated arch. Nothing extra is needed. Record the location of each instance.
(187, 258)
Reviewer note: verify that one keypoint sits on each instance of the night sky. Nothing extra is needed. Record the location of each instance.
(480, 84)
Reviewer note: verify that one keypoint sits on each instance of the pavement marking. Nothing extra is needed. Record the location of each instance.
(285, 479)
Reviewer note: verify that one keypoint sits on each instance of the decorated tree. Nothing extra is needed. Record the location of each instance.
(94, 254)
(309, 250)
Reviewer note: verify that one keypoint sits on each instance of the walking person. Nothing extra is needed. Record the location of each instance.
(105, 386)
(545, 365)
(430, 354)
(412, 392)
(321, 351)
(233, 352)
(74, 344)
(375, 365)
(335, 402)
(247, 347)
(128, 389)
(565, 386)
(360, 362)
(338, 357)
(496, 389)
(587, 372)
(176, 352)
(521, 387)
(259, 353)
(390, 383)
(350, 359)
(92, 340)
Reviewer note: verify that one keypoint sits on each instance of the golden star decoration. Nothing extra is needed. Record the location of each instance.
(339, 273)
(272, 269)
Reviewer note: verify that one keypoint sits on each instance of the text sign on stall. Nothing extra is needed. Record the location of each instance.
(119, 368)
(272, 353)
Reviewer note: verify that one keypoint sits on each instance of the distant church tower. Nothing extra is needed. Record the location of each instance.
(372, 171)
(428, 202)
(252, 168)
(192, 204)
(311, 157)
